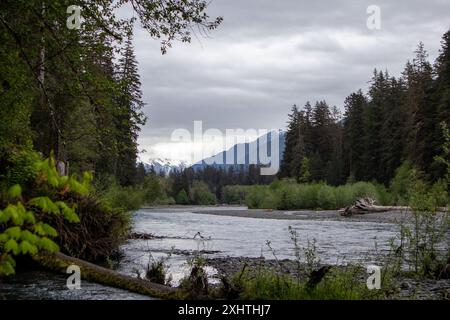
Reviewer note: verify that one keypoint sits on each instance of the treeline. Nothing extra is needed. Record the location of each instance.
(397, 120)
(75, 93)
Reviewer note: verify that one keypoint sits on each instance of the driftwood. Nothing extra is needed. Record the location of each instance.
(367, 205)
(59, 262)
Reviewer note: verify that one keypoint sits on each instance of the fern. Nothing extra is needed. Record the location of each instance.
(25, 231)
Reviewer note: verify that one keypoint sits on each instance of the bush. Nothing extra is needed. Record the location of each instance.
(182, 197)
(326, 198)
(201, 194)
(423, 243)
(288, 195)
(153, 190)
(24, 225)
(157, 270)
(124, 198)
(403, 182)
(234, 194)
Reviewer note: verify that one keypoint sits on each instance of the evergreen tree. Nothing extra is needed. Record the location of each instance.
(130, 116)
(442, 100)
(354, 140)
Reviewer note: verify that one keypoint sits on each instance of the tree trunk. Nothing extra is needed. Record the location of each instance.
(59, 262)
(367, 205)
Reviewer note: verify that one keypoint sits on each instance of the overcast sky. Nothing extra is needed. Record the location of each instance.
(268, 55)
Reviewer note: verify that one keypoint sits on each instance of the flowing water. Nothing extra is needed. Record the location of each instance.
(337, 242)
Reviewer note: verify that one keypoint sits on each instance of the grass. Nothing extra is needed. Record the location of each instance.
(339, 284)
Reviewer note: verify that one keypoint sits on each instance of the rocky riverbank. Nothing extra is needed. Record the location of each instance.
(404, 288)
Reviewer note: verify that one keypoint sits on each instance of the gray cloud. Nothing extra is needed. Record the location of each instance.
(269, 55)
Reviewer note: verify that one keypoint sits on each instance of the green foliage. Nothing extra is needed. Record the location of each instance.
(153, 189)
(326, 198)
(288, 195)
(195, 284)
(182, 197)
(234, 194)
(305, 171)
(406, 176)
(115, 196)
(267, 284)
(157, 270)
(20, 168)
(23, 230)
(201, 194)
(273, 283)
(423, 242)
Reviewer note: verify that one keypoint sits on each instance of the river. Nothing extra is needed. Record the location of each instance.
(337, 242)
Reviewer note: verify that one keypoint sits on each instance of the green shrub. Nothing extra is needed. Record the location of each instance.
(182, 197)
(20, 168)
(289, 195)
(326, 198)
(201, 194)
(24, 228)
(344, 196)
(153, 189)
(363, 190)
(423, 242)
(234, 194)
(403, 182)
(124, 198)
(267, 284)
(306, 196)
(157, 270)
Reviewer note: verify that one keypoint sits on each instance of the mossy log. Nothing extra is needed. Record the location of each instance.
(59, 262)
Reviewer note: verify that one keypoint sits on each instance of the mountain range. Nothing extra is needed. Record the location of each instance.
(239, 156)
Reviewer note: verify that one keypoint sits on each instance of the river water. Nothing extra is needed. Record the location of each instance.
(337, 242)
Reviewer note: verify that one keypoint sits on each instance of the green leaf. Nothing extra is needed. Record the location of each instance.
(29, 217)
(3, 237)
(28, 236)
(69, 213)
(45, 204)
(6, 268)
(50, 231)
(27, 247)
(14, 232)
(78, 187)
(4, 216)
(15, 191)
(12, 246)
(12, 212)
(39, 229)
(49, 245)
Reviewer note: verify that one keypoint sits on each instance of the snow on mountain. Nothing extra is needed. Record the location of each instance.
(164, 166)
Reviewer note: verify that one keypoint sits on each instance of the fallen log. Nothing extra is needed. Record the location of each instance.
(367, 205)
(59, 262)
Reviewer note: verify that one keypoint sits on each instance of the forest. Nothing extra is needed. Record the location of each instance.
(71, 109)
(387, 138)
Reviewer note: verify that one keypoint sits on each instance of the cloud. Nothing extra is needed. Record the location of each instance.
(269, 55)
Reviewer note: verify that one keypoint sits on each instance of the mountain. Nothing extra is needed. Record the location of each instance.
(248, 153)
(164, 166)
